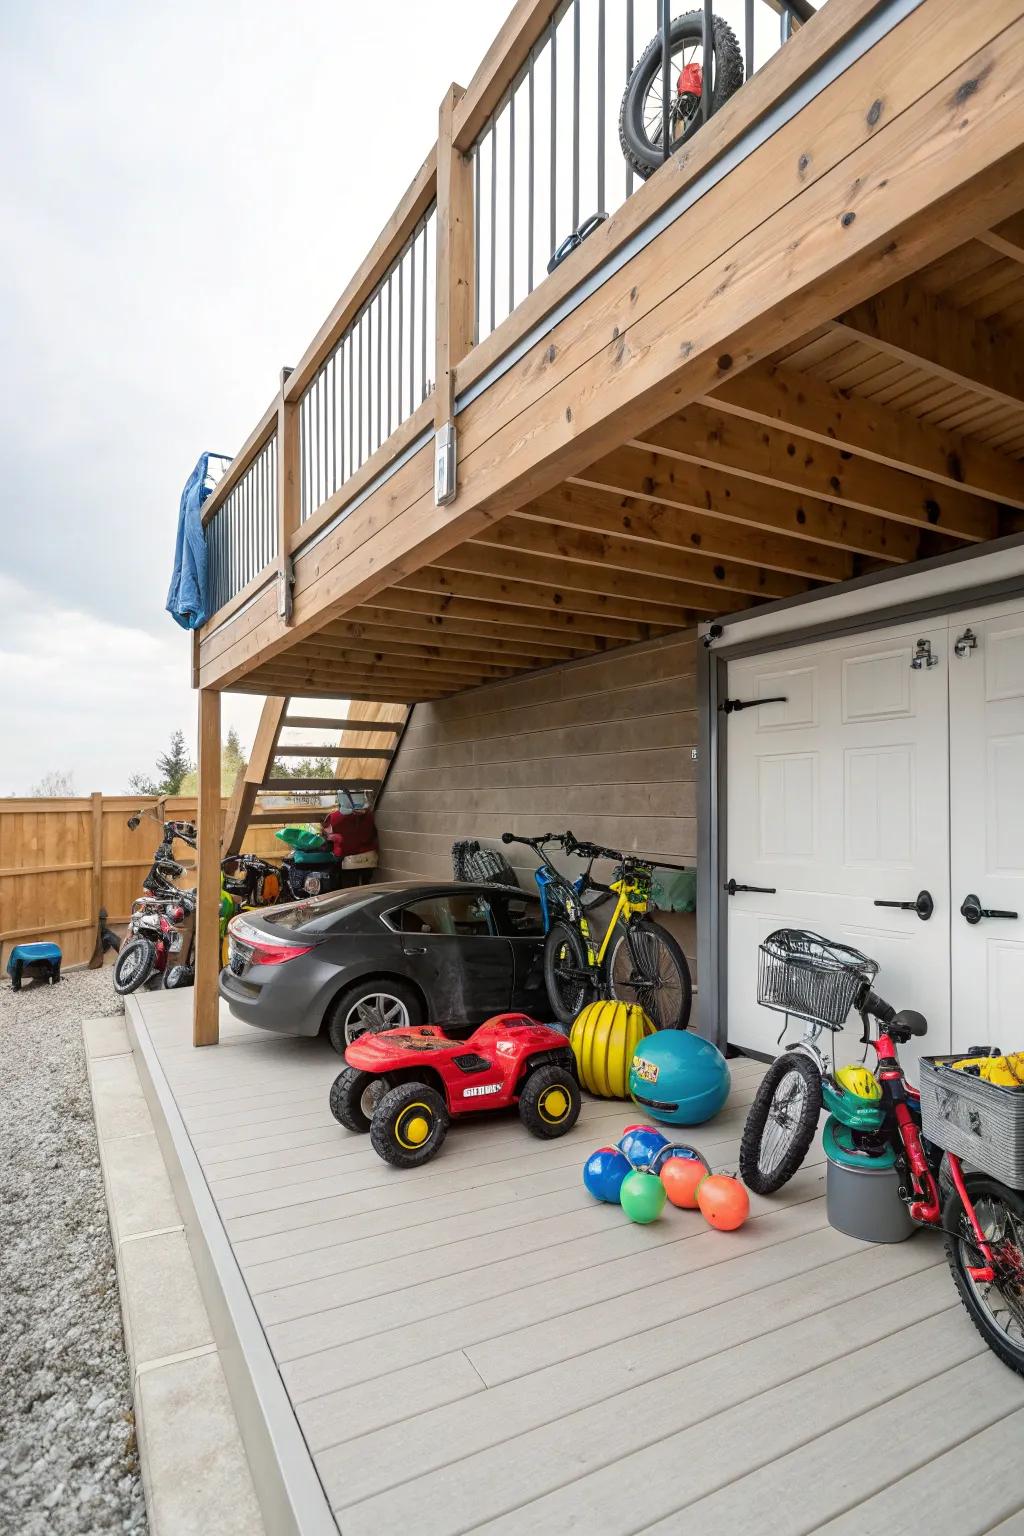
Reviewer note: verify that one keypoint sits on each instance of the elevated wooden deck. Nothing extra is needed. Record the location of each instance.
(477, 1345)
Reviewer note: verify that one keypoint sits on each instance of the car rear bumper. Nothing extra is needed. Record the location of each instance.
(267, 1004)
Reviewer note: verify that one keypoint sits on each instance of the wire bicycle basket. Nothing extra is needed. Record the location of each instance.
(801, 973)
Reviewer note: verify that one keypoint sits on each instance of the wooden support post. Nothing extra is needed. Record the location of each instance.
(456, 283)
(205, 1020)
(289, 500)
(255, 773)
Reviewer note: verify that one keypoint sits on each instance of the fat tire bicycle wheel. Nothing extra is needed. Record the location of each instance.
(995, 1308)
(640, 112)
(781, 1123)
(647, 966)
(565, 952)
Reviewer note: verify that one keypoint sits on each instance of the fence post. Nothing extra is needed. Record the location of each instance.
(289, 501)
(97, 870)
(205, 1005)
(456, 279)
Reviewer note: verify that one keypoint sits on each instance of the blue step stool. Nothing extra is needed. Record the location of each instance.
(36, 960)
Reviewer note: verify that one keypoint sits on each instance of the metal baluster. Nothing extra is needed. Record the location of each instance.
(423, 323)
(401, 340)
(629, 71)
(412, 324)
(575, 113)
(494, 211)
(666, 74)
(707, 85)
(350, 342)
(529, 179)
(512, 201)
(367, 381)
(748, 38)
(553, 188)
(478, 225)
(380, 369)
(359, 393)
(600, 104)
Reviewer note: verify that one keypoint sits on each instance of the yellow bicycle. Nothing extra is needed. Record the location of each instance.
(636, 960)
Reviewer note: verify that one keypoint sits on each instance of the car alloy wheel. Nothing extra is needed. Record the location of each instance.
(373, 1013)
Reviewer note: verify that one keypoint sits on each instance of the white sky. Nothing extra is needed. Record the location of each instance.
(185, 189)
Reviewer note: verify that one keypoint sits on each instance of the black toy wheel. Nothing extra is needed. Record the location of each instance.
(409, 1125)
(354, 1097)
(781, 1123)
(550, 1102)
(996, 1307)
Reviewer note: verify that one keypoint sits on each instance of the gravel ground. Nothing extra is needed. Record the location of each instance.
(68, 1460)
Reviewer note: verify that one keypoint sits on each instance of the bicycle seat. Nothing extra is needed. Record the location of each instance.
(906, 1023)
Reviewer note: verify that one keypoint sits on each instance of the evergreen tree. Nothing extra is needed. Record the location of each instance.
(172, 766)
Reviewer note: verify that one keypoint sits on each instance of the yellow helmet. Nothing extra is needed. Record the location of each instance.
(860, 1081)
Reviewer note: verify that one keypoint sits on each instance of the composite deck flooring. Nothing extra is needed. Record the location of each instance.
(477, 1345)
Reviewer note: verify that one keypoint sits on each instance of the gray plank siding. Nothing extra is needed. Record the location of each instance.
(603, 745)
(477, 1345)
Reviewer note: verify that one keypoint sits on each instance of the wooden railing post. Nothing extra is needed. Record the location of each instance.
(456, 286)
(205, 1014)
(289, 500)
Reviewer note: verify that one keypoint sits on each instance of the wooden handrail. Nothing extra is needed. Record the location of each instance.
(257, 439)
(413, 205)
(502, 62)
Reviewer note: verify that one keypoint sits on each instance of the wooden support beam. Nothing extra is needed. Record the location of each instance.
(1007, 238)
(302, 666)
(483, 610)
(464, 634)
(913, 326)
(632, 557)
(653, 522)
(702, 434)
(205, 998)
(646, 476)
(243, 795)
(392, 643)
(456, 261)
(776, 396)
(328, 786)
(508, 595)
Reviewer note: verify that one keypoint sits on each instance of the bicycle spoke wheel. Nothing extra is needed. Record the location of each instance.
(781, 1123)
(566, 973)
(648, 967)
(996, 1307)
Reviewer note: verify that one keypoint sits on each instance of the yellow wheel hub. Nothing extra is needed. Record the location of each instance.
(554, 1105)
(413, 1125)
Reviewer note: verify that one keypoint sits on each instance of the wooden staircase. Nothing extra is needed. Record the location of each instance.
(367, 740)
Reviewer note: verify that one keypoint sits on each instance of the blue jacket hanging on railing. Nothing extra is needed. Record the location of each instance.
(187, 597)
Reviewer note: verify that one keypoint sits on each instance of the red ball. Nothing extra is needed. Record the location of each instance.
(680, 1176)
(723, 1201)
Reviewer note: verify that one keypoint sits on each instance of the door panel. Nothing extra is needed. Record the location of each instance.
(986, 685)
(455, 952)
(838, 797)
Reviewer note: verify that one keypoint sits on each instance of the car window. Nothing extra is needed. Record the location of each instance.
(458, 916)
(519, 916)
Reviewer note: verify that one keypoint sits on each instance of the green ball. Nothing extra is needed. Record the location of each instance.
(642, 1196)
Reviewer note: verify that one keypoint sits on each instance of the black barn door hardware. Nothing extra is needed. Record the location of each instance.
(730, 887)
(733, 706)
(923, 656)
(973, 910)
(923, 905)
(964, 644)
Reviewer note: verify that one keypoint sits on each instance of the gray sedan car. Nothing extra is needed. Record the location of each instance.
(385, 957)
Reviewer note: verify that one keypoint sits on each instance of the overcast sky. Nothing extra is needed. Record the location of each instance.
(185, 189)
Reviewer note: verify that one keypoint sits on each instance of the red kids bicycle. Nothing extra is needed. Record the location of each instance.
(929, 1136)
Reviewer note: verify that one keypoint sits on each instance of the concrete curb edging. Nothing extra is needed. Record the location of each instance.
(195, 1473)
(290, 1493)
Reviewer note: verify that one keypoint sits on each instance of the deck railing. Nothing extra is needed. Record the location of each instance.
(523, 154)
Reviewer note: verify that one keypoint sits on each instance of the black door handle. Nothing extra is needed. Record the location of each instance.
(730, 888)
(973, 910)
(415, 949)
(923, 905)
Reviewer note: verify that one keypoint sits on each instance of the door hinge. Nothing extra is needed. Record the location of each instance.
(964, 644)
(733, 706)
(923, 656)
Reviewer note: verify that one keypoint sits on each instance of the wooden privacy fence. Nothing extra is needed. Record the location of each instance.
(62, 860)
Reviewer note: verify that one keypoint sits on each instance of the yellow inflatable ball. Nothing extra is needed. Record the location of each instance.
(603, 1038)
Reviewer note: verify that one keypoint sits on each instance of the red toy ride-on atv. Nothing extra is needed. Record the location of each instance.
(404, 1085)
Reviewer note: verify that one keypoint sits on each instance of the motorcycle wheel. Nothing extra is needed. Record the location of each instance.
(134, 965)
(640, 116)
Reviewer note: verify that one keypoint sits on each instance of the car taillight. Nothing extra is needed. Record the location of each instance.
(276, 954)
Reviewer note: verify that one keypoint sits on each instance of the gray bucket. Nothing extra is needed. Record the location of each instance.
(865, 1203)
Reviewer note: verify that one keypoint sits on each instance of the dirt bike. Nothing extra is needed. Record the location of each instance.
(922, 1135)
(645, 112)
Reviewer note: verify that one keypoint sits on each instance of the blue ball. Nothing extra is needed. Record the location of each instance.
(641, 1144)
(603, 1173)
(679, 1078)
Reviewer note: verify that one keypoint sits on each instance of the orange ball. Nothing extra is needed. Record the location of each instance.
(680, 1176)
(723, 1201)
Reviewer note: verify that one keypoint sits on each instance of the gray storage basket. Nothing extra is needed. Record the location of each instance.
(982, 1123)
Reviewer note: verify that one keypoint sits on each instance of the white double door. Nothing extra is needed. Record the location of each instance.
(877, 780)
